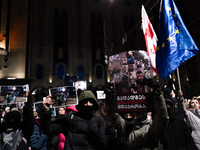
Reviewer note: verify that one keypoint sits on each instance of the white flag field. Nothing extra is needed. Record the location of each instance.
(150, 39)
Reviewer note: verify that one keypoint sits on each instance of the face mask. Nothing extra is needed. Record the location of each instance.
(128, 119)
(140, 120)
(86, 111)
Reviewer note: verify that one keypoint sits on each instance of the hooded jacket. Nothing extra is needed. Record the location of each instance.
(81, 132)
(24, 126)
(177, 135)
(145, 136)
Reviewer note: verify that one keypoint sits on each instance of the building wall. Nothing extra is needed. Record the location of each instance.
(40, 32)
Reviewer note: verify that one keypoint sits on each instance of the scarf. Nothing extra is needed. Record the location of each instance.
(86, 112)
(11, 139)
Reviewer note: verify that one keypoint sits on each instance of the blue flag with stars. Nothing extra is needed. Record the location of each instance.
(175, 44)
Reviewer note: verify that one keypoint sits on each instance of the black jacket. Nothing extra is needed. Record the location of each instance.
(26, 126)
(80, 133)
(177, 135)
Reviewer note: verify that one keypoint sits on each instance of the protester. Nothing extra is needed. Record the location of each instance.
(15, 131)
(142, 133)
(83, 130)
(192, 117)
(177, 134)
(110, 131)
(53, 143)
(38, 140)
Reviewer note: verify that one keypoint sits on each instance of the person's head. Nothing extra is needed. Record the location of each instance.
(124, 90)
(139, 76)
(101, 111)
(116, 67)
(170, 106)
(87, 98)
(13, 117)
(130, 53)
(194, 103)
(123, 69)
(117, 79)
(140, 88)
(127, 117)
(61, 110)
(146, 66)
(123, 60)
(138, 63)
(130, 67)
(140, 117)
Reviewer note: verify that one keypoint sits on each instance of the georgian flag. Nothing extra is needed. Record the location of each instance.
(150, 39)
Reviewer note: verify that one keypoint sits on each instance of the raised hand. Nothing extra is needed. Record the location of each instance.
(47, 103)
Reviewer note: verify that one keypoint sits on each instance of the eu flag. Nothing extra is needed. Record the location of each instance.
(175, 44)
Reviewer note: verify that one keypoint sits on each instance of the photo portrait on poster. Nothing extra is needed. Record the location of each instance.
(129, 73)
(63, 96)
(13, 93)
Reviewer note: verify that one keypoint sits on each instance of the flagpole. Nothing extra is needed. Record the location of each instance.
(179, 83)
(170, 76)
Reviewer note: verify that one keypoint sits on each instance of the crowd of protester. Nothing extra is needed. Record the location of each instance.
(92, 125)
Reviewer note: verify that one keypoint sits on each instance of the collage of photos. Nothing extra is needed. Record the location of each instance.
(63, 96)
(129, 72)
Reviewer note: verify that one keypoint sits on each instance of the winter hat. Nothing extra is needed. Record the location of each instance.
(72, 107)
(87, 94)
(15, 114)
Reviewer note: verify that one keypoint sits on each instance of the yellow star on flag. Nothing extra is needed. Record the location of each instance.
(168, 38)
(157, 48)
(163, 45)
(176, 31)
(169, 8)
(177, 24)
(174, 15)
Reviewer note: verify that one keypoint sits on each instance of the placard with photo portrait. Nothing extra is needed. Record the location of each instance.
(130, 72)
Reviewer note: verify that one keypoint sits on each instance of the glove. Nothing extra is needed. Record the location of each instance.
(109, 90)
(152, 83)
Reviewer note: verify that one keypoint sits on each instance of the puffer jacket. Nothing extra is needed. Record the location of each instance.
(38, 139)
(145, 136)
(80, 133)
(61, 141)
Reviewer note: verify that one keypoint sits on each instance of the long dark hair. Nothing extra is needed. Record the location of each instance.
(101, 111)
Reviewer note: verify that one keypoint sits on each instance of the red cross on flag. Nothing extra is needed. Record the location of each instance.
(150, 39)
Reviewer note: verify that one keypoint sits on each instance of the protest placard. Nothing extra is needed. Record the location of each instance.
(130, 72)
